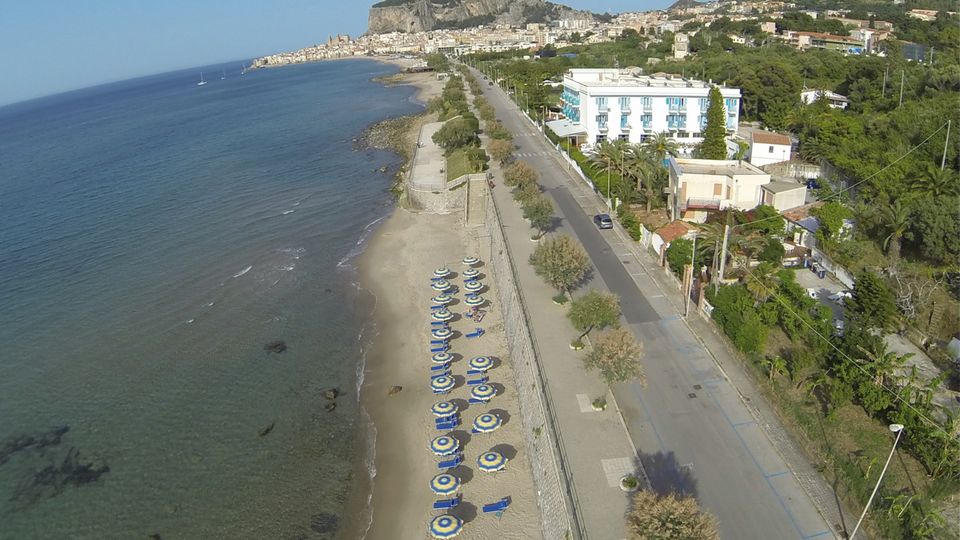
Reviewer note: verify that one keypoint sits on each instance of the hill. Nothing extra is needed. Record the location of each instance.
(423, 15)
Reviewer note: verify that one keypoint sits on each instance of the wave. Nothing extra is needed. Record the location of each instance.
(370, 451)
(244, 271)
(285, 212)
(358, 247)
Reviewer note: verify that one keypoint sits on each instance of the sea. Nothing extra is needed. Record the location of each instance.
(176, 294)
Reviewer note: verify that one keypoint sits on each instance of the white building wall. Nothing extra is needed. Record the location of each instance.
(765, 154)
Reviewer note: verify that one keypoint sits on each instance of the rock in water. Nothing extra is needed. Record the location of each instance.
(394, 390)
(330, 406)
(267, 430)
(276, 346)
(331, 393)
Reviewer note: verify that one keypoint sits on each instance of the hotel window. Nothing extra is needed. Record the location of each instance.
(602, 120)
(646, 102)
(704, 103)
(646, 120)
(601, 138)
(771, 149)
(601, 102)
(624, 120)
(625, 103)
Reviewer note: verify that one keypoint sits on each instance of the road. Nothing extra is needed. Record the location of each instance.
(689, 424)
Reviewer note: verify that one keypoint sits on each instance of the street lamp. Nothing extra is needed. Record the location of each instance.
(898, 429)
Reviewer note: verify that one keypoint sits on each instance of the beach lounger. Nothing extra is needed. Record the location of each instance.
(438, 342)
(439, 324)
(444, 348)
(470, 279)
(475, 382)
(439, 367)
(449, 426)
(436, 279)
(498, 506)
(437, 308)
(479, 315)
(440, 374)
(445, 419)
(476, 333)
(474, 372)
(446, 504)
(451, 463)
(441, 392)
(475, 400)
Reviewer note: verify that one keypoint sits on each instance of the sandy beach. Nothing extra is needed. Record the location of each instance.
(396, 268)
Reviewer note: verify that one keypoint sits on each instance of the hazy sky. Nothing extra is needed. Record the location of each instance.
(50, 46)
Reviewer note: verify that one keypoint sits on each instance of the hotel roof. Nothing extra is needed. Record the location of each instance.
(764, 137)
(633, 77)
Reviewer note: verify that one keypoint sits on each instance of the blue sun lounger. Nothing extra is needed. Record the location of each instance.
(498, 506)
(476, 333)
(469, 279)
(438, 342)
(439, 324)
(475, 382)
(446, 504)
(436, 279)
(439, 374)
(445, 419)
(451, 463)
(437, 308)
(441, 392)
(444, 348)
(477, 401)
(449, 426)
(439, 367)
(475, 372)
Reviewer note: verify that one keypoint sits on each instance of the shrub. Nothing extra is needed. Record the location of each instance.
(561, 262)
(616, 356)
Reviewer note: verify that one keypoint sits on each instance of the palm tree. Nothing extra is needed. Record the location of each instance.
(660, 145)
(937, 182)
(640, 165)
(880, 362)
(775, 366)
(609, 154)
(895, 217)
(762, 282)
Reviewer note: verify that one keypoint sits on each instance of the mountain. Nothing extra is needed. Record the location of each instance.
(423, 15)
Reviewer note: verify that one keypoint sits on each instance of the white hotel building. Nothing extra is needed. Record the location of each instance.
(610, 104)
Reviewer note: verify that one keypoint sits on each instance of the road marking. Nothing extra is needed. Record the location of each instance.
(616, 468)
(776, 474)
(746, 423)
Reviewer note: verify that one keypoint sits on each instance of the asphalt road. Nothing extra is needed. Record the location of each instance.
(692, 431)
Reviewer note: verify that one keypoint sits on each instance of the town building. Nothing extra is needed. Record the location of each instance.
(835, 100)
(611, 104)
(767, 148)
(830, 42)
(783, 195)
(700, 186)
(681, 45)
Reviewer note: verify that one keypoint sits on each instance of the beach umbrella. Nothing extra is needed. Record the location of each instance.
(483, 392)
(491, 461)
(440, 285)
(443, 271)
(442, 299)
(442, 333)
(445, 526)
(472, 286)
(442, 383)
(470, 261)
(486, 423)
(474, 300)
(441, 358)
(470, 272)
(482, 363)
(444, 408)
(444, 445)
(445, 484)
(442, 315)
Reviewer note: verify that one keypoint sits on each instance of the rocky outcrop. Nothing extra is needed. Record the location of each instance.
(424, 15)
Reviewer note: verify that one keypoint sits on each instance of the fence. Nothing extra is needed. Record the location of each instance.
(557, 499)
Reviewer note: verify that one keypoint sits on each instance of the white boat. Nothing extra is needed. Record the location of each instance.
(224, 76)
(202, 82)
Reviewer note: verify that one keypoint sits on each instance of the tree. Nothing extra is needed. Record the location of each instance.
(561, 262)
(935, 228)
(831, 216)
(639, 164)
(765, 219)
(895, 218)
(594, 310)
(937, 183)
(714, 145)
(762, 282)
(500, 149)
(872, 301)
(669, 517)
(539, 211)
(520, 173)
(660, 145)
(774, 366)
(455, 133)
(773, 251)
(680, 252)
(616, 356)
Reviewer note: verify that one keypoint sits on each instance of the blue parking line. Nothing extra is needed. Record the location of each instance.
(821, 533)
(746, 423)
(776, 474)
(643, 405)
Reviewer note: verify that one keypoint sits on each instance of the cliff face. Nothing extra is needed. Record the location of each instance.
(424, 15)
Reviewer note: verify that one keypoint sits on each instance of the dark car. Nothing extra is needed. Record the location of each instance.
(490, 83)
(603, 221)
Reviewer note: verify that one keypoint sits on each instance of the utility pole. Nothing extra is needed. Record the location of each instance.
(723, 254)
(883, 91)
(898, 429)
(901, 89)
(693, 269)
(943, 160)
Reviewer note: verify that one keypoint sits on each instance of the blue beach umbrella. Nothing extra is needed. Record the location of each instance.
(441, 358)
(440, 285)
(444, 445)
(442, 299)
(442, 315)
(491, 461)
(443, 271)
(445, 526)
(470, 261)
(442, 383)
(444, 484)
(442, 333)
(470, 272)
(444, 408)
(474, 300)
(483, 392)
(472, 286)
(482, 363)
(486, 423)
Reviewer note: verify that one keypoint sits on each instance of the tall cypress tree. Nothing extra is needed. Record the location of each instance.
(714, 145)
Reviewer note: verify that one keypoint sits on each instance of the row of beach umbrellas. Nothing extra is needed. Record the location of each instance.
(446, 484)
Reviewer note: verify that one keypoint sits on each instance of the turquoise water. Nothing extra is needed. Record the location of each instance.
(154, 236)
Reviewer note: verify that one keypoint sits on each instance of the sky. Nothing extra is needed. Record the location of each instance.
(52, 46)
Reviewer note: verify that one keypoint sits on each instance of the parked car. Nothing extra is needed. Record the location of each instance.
(812, 293)
(841, 297)
(490, 83)
(838, 326)
(603, 221)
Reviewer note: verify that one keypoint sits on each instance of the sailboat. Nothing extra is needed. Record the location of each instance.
(202, 82)
(243, 69)
(224, 76)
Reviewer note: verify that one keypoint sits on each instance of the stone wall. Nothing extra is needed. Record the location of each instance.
(446, 201)
(555, 500)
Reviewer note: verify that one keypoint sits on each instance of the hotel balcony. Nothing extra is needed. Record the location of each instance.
(603, 128)
(603, 108)
(700, 204)
(625, 108)
(625, 127)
